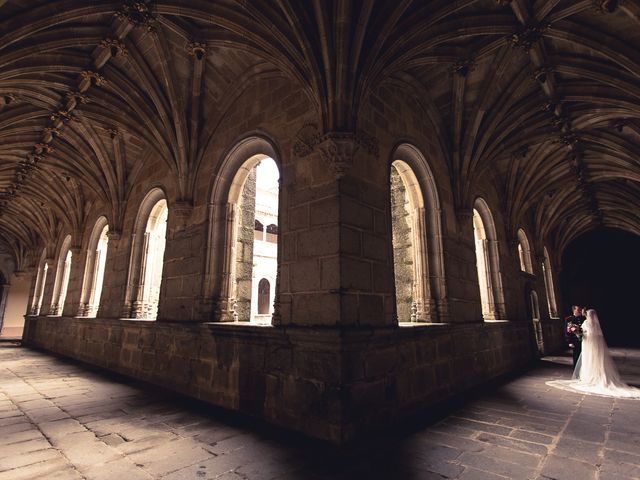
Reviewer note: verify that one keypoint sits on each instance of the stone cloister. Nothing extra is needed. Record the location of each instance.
(435, 160)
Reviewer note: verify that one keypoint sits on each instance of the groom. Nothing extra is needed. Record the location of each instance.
(574, 340)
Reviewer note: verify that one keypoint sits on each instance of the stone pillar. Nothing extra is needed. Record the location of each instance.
(47, 295)
(32, 272)
(74, 288)
(465, 304)
(115, 276)
(337, 263)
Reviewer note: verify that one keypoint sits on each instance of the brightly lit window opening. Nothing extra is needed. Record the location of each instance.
(257, 243)
(524, 252)
(483, 266)
(409, 249)
(155, 235)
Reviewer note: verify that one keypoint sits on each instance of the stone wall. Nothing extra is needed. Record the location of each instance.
(333, 384)
(553, 335)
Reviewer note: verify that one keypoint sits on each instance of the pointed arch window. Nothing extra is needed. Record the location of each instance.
(409, 244)
(244, 251)
(147, 258)
(487, 262)
(524, 252)
(418, 259)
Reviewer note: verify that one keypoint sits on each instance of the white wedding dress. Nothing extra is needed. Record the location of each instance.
(595, 372)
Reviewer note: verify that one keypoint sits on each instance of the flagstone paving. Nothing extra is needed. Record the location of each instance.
(60, 419)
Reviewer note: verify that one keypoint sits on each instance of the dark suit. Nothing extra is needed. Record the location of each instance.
(572, 338)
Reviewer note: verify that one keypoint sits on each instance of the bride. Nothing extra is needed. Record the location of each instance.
(595, 371)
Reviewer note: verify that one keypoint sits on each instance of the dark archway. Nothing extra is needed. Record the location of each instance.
(602, 270)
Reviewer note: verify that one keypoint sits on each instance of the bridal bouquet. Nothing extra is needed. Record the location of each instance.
(575, 329)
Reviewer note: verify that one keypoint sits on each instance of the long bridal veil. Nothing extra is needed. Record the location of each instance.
(595, 371)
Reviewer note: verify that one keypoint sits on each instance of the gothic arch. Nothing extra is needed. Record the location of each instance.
(63, 271)
(94, 269)
(219, 284)
(524, 252)
(430, 291)
(146, 259)
(488, 262)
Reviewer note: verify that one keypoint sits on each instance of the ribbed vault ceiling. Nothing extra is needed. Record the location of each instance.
(541, 95)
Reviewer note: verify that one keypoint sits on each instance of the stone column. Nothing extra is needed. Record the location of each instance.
(337, 264)
(32, 272)
(464, 301)
(76, 277)
(115, 276)
(47, 295)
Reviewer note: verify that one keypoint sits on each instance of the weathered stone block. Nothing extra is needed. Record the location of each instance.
(324, 211)
(375, 247)
(318, 242)
(305, 276)
(356, 274)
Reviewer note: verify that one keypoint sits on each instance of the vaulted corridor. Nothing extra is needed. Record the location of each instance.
(60, 419)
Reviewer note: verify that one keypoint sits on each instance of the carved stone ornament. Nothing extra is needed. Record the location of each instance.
(97, 79)
(540, 74)
(138, 13)
(607, 6)
(463, 66)
(197, 49)
(113, 234)
(115, 46)
(527, 36)
(568, 139)
(337, 148)
(8, 98)
(306, 140)
(49, 133)
(562, 123)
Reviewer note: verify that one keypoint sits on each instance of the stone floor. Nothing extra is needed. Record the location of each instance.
(62, 420)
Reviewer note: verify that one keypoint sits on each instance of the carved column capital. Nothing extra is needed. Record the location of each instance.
(182, 209)
(113, 235)
(337, 149)
(464, 215)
